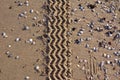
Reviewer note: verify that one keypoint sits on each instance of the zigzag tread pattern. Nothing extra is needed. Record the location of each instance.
(58, 49)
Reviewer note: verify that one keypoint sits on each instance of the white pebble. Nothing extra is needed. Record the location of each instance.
(108, 62)
(21, 15)
(26, 2)
(37, 68)
(9, 46)
(108, 56)
(17, 39)
(31, 40)
(34, 18)
(31, 10)
(115, 60)
(26, 27)
(104, 55)
(109, 48)
(20, 4)
(25, 12)
(17, 57)
(4, 35)
(87, 46)
(27, 78)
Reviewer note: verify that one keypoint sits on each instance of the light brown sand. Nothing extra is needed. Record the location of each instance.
(32, 55)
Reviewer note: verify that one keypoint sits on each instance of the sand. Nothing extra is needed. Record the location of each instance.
(83, 45)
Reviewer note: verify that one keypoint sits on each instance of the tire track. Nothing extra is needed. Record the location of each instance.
(58, 46)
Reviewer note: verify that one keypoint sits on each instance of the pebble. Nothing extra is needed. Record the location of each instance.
(116, 60)
(31, 10)
(33, 43)
(95, 49)
(77, 57)
(87, 46)
(108, 27)
(17, 57)
(9, 46)
(27, 77)
(88, 39)
(108, 56)
(104, 55)
(30, 40)
(9, 54)
(37, 68)
(108, 62)
(4, 35)
(78, 65)
(21, 15)
(20, 4)
(17, 39)
(25, 12)
(77, 41)
(26, 28)
(117, 36)
(26, 2)
(34, 18)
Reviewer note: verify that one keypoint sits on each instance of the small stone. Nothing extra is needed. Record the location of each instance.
(25, 12)
(34, 18)
(77, 41)
(9, 46)
(95, 49)
(26, 28)
(78, 65)
(37, 68)
(85, 61)
(115, 60)
(17, 57)
(33, 43)
(104, 55)
(87, 46)
(17, 39)
(31, 40)
(21, 15)
(109, 48)
(77, 57)
(4, 35)
(88, 39)
(27, 78)
(31, 10)
(108, 56)
(20, 4)
(26, 2)
(108, 62)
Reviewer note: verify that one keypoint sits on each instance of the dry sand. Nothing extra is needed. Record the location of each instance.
(90, 46)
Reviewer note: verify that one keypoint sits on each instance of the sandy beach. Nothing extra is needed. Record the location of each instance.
(60, 40)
